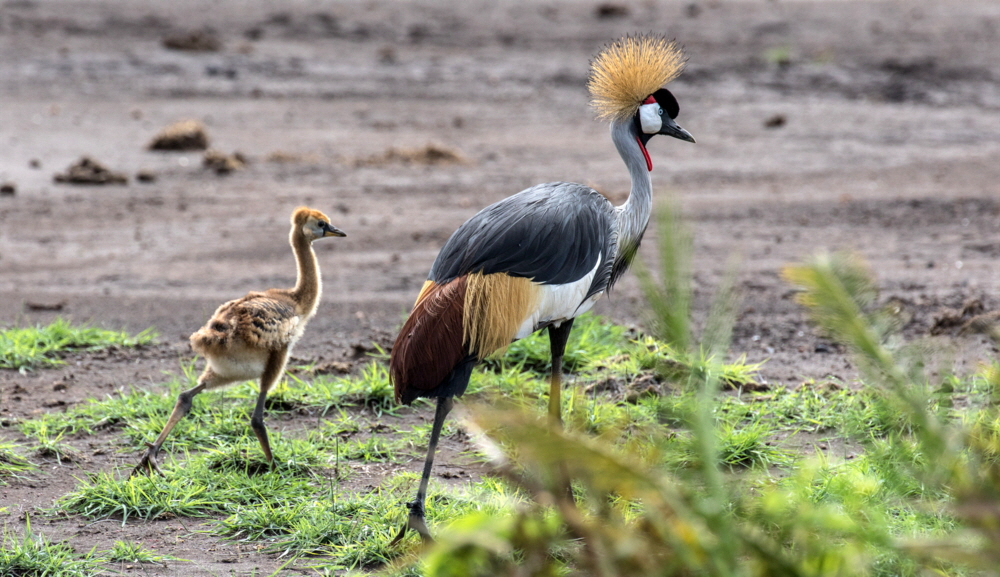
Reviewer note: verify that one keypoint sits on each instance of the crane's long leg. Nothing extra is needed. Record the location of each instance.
(558, 336)
(272, 372)
(415, 520)
(557, 343)
(181, 408)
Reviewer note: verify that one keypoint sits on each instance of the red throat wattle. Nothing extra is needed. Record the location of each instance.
(642, 147)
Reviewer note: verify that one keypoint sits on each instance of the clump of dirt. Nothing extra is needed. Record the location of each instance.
(254, 465)
(201, 40)
(283, 157)
(644, 385)
(64, 454)
(332, 368)
(745, 386)
(428, 155)
(387, 55)
(223, 163)
(986, 324)
(949, 319)
(8, 189)
(89, 171)
(183, 135)
(611, 10)
(776, 121)
(145, 176)
(38, 306)
(611, 385)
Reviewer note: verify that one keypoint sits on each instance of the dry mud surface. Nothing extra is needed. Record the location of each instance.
(872, 126)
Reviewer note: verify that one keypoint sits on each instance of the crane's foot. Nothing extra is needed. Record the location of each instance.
(148, 462)
(416, 522)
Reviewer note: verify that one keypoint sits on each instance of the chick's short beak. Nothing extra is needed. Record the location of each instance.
(330, 230)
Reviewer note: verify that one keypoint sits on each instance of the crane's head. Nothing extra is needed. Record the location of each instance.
(626, 85)
(313, 224)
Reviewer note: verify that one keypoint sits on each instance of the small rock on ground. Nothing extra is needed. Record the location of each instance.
(223, 163)
(202, 40)
(183, 135)
(89, 171)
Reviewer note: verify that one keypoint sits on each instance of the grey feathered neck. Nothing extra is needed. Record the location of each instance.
(633, 215)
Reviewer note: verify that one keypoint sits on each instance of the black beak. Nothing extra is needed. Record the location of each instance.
(330, 230)
(670, 128)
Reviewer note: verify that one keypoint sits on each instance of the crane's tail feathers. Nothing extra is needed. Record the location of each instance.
(452, 326)
(430, 346)
(495, 307)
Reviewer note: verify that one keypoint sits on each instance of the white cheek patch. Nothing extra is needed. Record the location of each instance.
(650, 119)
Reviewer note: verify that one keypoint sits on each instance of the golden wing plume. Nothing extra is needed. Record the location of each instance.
(628, 70)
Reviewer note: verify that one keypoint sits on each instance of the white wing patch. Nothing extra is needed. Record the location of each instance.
(560, 302)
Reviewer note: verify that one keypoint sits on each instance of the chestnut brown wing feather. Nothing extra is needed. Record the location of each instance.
(429, 345)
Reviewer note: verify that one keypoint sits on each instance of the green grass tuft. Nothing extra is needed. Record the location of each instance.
(370, 389)
(34, 555)
(12, 463)
(129, 552)
(748, 445)
(592, 338)
(102, 495)
(27, 348)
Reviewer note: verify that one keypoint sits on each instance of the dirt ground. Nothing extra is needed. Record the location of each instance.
(821, 124)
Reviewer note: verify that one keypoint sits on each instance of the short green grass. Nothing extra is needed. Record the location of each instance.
(12, 462)
(30, 347)
(214, 467)
(129, 552)
(35, 555)
(628, 391)
(590, 339)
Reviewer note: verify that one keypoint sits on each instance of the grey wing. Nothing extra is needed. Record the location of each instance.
(552, 233)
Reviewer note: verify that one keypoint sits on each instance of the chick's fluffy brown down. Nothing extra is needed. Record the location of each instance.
(260, 320)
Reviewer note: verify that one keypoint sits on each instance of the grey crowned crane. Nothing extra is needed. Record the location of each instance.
(540, 258)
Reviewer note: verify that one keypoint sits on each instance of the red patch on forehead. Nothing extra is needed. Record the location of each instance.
(649, 100)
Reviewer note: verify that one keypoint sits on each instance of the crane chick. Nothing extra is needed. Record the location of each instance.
(251, 337)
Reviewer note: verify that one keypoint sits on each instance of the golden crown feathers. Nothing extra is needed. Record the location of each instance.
(628, 70)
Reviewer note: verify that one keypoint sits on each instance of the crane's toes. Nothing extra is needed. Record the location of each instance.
(416, 523)
(399, 536)
(143, 468)
(147, 464)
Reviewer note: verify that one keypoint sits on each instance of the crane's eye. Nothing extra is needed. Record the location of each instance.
(660, 111)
